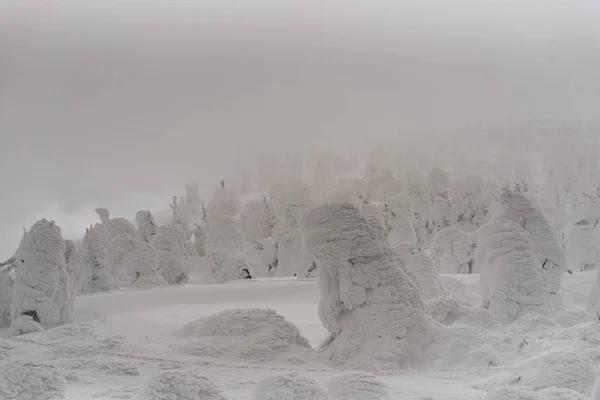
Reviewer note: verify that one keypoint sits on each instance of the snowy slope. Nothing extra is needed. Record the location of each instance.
(120, 339)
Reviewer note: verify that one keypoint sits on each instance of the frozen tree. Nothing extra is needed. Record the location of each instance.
(425, 273)
(512, 281)
(258, 220)
(95, 276)
(41, 288)
(146, 226)
(470, 199)
(7, 282)
(513, 205)
(399, 219)
(180, 385)
(229, 265)
(74, 264)
(138, 263)
(381, 183)
(225, 201)
(116, 225)
(170, 243)
(222, 232)
(581, 246)
(417, 191)
(452, 251)
(287, 190)
(31, 381)
(370, 306)
(322, 183)
(200, 240)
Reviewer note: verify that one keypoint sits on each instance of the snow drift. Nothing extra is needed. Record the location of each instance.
(180, 385)
(289, 386)
(31, 381)
(357, 386)
(254, 334)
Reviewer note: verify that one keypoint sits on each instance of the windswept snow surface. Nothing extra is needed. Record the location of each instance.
(120, 340)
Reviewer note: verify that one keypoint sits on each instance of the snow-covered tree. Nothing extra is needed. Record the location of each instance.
(137, 264)
(95, 276)
(581, 246)
(425, 273)
(514, 205)
(41, 288)
(6, 291)
(225, 201)
(116, 225)
(452, 251)
(257, 220)
(170, 243)
(370, 306)
(74, 264)
(512, 281)
(146, 226)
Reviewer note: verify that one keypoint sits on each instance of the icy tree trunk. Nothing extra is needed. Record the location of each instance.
(370, 306)
(41, 288)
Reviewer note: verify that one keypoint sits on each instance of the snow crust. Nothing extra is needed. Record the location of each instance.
(31, 381)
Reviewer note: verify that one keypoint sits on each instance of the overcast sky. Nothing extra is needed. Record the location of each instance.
(119, 103)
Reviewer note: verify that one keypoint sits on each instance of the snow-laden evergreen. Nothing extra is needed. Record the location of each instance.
(42, 283)
(146, 226)
(369, 305)
(512, 281)
(95, 275)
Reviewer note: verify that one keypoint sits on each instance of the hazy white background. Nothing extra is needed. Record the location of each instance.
(120, 103)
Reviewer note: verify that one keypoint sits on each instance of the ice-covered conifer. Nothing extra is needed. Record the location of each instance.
(581, 246)
(369, 304)
(426, 274)
(225, 201)
(513, 205)
(95, 276)
(116, 225)
(258, 220)
(200, 240)
(452, 251)
(6, 291)
(229, 265)
(512, 282)
(146, 226)
(41, 288)
(138, 263)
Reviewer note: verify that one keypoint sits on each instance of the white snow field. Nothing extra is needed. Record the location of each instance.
(123, 344)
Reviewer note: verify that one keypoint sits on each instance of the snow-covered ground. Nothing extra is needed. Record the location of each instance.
(121, 339)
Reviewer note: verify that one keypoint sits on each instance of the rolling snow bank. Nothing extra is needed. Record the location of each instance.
(251, 334)
(180, 385)
(31, 381)
(369, 304)
(512, 282)
(357, 386)
(42, 284)
(289, 386)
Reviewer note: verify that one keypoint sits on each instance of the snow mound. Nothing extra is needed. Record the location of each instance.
(562, 394)
(256, 334)
(559, 368)
(289, 386)
(513, 394)
(357, 386)
(31, 381)
(25, 324)
(180, 385)
(450, 310)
